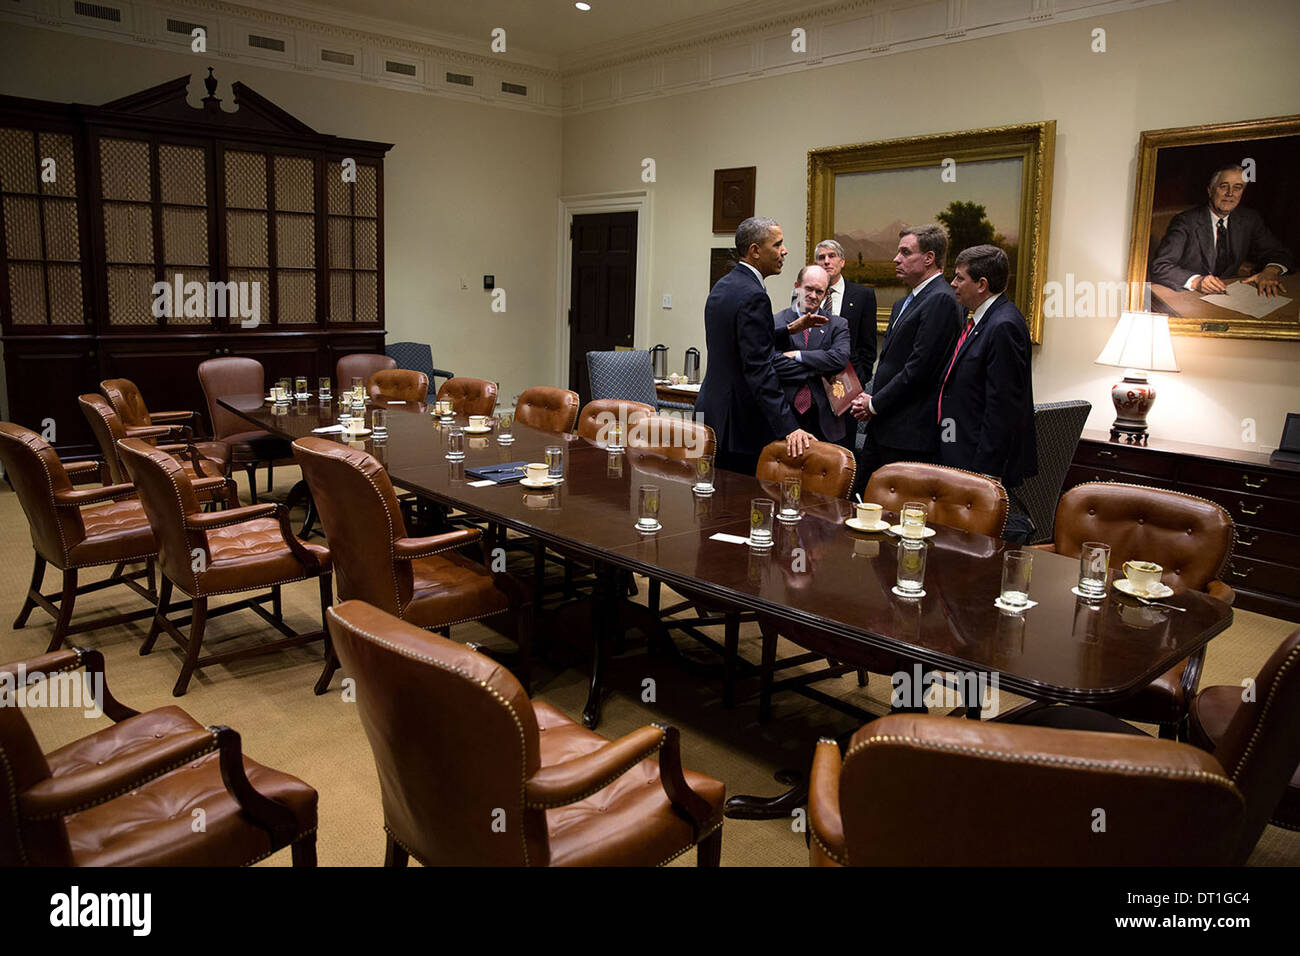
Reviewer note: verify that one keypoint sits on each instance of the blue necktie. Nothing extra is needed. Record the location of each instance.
(906, 303)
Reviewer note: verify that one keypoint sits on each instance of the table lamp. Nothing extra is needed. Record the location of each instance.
(1139, 344)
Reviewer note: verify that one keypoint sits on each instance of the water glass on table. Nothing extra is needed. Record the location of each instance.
(703, 475)
(912, 518)
(648, 508)
(300, 388)
(1017, 567)
(455, 443)
(505, 424)
(911, 568)
(1094, 569)
(761, 511)
(323, 391)
(379, 423)
(555, 462)
(791, 489)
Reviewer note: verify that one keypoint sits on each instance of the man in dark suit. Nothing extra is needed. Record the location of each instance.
(816, 352)
(1204, 246)
(857, 304)
(901, 410)
(986, 399)
(741, 397)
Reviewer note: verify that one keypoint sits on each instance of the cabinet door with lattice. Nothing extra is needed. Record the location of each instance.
(353, 201)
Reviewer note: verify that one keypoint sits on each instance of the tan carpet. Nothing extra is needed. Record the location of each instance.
(269, 701)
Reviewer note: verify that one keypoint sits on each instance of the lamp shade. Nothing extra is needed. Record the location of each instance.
(1140, 340)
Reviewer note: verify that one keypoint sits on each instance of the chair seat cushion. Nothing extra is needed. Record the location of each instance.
(449, 588)
(115, 531)
(153, 825)
(252, 554)
(218, 451)
(628, 823)
(137, 733)
(1160, 702)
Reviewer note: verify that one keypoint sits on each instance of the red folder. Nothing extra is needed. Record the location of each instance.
(842, 388)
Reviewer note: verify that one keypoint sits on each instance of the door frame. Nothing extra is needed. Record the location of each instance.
(638, 201)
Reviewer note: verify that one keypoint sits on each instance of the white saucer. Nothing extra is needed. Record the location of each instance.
(1158, 592)
(857, 525)
(926, 532)
(355, 431)
(544, 483)
(908, 594)
(658, 527)
(477, 431)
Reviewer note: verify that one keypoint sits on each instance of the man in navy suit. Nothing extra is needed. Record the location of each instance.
(901, 409)
(1205, 245)
(741, 397)
(985, 418)
(857, 305)
(817, 352)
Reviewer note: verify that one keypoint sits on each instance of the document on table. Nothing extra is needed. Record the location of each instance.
(728, 538)
(1244, 299)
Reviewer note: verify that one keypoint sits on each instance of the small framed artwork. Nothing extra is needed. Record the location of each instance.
(1216, 229)
(733, 197)
(721, 261)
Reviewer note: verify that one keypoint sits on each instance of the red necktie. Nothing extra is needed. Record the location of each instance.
(970, 324)
(803, 397)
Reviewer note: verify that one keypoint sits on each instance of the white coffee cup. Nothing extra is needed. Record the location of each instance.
(536, 472)
(869, 514)
(478, 421)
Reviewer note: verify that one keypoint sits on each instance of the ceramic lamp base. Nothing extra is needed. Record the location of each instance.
(1133, 397)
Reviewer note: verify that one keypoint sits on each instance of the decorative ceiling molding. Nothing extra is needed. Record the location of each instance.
(705, 51)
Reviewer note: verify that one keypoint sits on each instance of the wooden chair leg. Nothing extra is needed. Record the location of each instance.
(304, 851)
(394, 855)
(731, 652)
(164, 601)
(765, 673)
(277, 606)
(198, 620)
(331, 659)
(66, 603)
(709, 850)
(270, 475)
(38, 578)
(251, 471)
(524, 637)
(862, 677)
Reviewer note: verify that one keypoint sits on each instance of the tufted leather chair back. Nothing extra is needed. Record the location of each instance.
(126, 401)
(825, 469)
(1189, 537)
(400, 384)
(36, 474)
(1260, 750)
(672, 437)
(108, 428)
(229, 375)
(956, 498)
(599, 414)
(1025, 791)
(360, 365)
(30, 843)
(361, 517)
(167, 497)
(547, 409)
(469, 396)
(454, 737)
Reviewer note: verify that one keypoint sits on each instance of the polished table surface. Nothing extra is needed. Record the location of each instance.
(819, 574)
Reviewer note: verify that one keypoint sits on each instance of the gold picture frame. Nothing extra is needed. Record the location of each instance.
(1172, 171)
(1030, 147)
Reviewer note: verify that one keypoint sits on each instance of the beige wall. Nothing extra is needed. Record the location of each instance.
(1158, 72)
(469, 190)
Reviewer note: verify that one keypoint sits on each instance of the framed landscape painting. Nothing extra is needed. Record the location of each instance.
(984, 186)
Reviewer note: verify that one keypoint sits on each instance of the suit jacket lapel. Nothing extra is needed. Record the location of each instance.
(1205, 236)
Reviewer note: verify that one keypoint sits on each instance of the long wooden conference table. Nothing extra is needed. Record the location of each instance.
(819, 574)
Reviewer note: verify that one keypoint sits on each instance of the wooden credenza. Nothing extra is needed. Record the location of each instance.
(1262, 497)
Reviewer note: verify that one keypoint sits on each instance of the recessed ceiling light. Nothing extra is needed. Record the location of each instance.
(584, 7)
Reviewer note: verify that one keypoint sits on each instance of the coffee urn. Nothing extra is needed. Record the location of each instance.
(659, 361)
(691, 368)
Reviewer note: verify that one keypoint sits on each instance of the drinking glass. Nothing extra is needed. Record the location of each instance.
(648, 509)
(379, 423)
(358, 382)
(913, 519)
(445, 413)
(911, 568)
(300, 386)
(703, 475)
(614, 437)
(1094, 568)
(555, 463)
(761, 511)
(1016, 569)
(613, 465)
(791, 489)
(323, 389)
(287, 385)
(358, 405)
(505, 422)
(455, 443)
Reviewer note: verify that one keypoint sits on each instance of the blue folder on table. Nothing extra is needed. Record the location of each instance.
(501, 474)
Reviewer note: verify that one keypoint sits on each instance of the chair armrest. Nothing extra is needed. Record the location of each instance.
(62, 661)
(825, 826)
(72, 498)
(563, 783)
(81, 467)
(56, 797)
(408, 549)
(266, 813)
(1044, 547)
(443, 373)
(1217, 589)
(162, 418)
(211, 521)
(150, 431)
(230, 498)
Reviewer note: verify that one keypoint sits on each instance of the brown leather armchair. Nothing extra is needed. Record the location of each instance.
(359, 365)
(72, 539)
(1258, 741)
(469, 396)
(600, 412)
(547, 409)
(473, 773)
(1190, 537)
(249, 447)
(223, 552)
(915, 790)
(128, 795)
(672, 437)
(125, 399)
(398, 384)
(426, 581)
(108, 429)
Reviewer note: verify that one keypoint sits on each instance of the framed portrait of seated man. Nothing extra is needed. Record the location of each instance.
(1216, 229)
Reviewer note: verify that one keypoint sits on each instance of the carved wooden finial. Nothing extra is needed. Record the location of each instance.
(211, 101)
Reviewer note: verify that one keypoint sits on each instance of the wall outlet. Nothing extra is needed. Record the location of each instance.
(668, 301)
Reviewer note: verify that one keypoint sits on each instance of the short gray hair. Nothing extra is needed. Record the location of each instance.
(1225, 168)
(829, 244)
(753, 230)
(929, 238)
